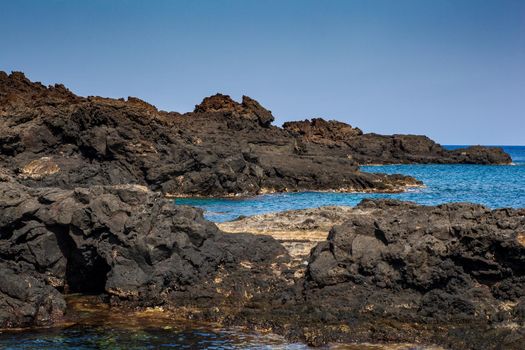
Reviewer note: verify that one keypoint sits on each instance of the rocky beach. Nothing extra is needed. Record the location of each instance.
(86, 208)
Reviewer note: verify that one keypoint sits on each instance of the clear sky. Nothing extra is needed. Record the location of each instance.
(451, 69)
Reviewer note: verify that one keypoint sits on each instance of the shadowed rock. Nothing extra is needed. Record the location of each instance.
(126, 242)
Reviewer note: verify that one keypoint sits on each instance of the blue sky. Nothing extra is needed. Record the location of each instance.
(450, 69)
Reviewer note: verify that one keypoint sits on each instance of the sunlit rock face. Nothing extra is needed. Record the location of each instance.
(372, 148)
(51, 137)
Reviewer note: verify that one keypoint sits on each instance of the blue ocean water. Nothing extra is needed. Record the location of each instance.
(495, 186)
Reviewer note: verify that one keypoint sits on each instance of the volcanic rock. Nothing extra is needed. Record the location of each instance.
(395, 271)
(460, 266)
(53, 138)
(372, 148)
(391, 272)
(123, 241)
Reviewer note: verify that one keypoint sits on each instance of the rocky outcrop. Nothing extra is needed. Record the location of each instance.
(392, 271)
(382, 149)
(78, 215)
(452, 275)
(126, 242)
(53, 138)
(458, 265)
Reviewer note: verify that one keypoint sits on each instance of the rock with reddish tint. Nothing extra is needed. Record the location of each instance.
(51, 137)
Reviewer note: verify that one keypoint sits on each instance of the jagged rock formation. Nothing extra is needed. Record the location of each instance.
(393, 271)
(451, 264)
(51, 137)
(385, 149)
(452, 275)
(126, 242)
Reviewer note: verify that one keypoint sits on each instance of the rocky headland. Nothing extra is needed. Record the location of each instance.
(52, 137)
(375, 149)
(85, 209)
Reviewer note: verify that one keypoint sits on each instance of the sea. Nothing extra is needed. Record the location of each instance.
(495, 186)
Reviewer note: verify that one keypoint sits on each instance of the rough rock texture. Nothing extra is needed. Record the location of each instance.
(77, 215)
(53, 138)
(391, 272)
(27, 301)
(395, 271)
(127, 242)
(454, 264)
(383, 149)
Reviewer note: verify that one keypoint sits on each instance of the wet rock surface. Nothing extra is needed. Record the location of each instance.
(50, 137)
(372, 148)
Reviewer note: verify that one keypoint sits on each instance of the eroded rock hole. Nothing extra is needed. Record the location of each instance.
(86, 271)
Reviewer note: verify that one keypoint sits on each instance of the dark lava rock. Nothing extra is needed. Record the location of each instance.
(383, 149)
(77, 215)
(460, 267)
(52, 138)
(126, 242)
(392, 272)
(25, 300)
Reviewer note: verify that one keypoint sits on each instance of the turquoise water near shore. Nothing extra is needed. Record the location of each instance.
(495, 186)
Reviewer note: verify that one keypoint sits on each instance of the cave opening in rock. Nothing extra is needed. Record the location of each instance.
(86, 271)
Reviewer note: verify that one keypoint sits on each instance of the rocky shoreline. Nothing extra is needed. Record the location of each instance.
(84, 210)
(393, 271)
(50, 137)
(377, 149)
